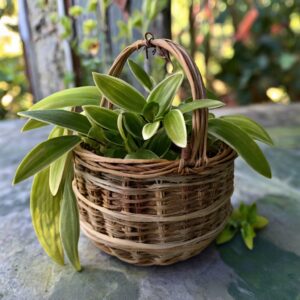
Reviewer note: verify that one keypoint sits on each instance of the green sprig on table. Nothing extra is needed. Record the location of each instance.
(245, 220)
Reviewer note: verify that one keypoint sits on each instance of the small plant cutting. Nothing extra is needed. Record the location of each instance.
(150, 182)
(245, 220)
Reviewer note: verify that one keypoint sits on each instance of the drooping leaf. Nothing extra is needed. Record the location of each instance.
(248, 235)
(32, 124)
(45, 211)
(69, 219)
(140, 74)
(119, 92)
(160, 143)
(150, 129)
(226, 235)
(197, 104)
(70, 120)
(142, 154)
(133, 124)
(57, 167)
(165, 91)
(86, 95)
(103, 117)
(43, 155)
(242, 143)
(175, 127)
(150, 111)
(256, 131)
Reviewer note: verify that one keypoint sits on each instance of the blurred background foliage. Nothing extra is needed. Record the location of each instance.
(247, 51)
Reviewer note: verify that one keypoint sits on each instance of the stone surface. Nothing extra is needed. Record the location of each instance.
(270, 271)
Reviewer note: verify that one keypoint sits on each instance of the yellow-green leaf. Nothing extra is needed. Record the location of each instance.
(69, 219)
(57, 167)
(150, 111)
(165, 91)
(140, 74)
(119, 92)
(150, 129)
(32, 124)
(226, 235)
(45, 211)
(67, 119)
(175, 127)
(242, 143)
(255, 130)
(133, 124)
(198, 104)
(260, 222)
(103, 117)
(248, 235)
(86, 95)
(43, 155)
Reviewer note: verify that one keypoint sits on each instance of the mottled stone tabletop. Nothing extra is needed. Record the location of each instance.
(270, 271)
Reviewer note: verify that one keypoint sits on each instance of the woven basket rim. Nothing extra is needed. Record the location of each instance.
(105, 159)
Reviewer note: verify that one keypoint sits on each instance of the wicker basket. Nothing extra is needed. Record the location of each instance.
(156, 212)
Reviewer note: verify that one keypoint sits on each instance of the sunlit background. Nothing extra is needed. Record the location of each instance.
(247, 51)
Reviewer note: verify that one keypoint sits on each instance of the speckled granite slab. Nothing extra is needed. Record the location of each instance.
(270, 271)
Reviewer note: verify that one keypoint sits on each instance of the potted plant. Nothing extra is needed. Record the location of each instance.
(150, 181)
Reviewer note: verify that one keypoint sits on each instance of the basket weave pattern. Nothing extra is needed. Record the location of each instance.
(156, 212)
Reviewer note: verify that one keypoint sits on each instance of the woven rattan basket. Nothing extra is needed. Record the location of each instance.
(156, 212)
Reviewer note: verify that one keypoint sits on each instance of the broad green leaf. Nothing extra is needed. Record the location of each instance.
(57, 167)
(142, 154)
(175, 127)
(96, 133)
(69, 219)
(240, 141)
(150, 129)
(119, 92)
(165, 91)
(150, 111)
(113, 137)
(131, 144)
(248, 235)
(226, 235)
(32, 124)
(103, 117)
(197, 104)
(86, 95)
(260, 222)
(45, 211)
(43, 155)
(255, 130)
(160, 143)
(70, 120)
(133, 124)
(140, 74)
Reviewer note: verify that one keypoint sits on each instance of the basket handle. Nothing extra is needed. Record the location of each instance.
(195, 153)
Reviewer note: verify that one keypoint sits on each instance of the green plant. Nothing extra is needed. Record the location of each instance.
(137, 127)
(246, 220)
